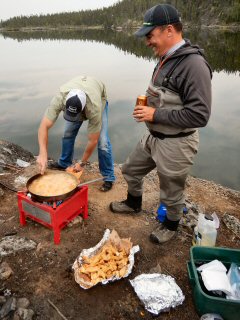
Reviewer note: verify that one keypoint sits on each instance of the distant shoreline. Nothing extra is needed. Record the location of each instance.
(53, 28)
(233, 28)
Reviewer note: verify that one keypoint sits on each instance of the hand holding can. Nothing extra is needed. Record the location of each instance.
(141, 101)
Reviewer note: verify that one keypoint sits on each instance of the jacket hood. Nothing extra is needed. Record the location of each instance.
(188, 48)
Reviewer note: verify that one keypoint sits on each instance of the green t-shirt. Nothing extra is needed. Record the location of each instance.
(96, 100)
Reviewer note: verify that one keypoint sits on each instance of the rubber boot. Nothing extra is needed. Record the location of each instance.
(131, 205)
(164, 232)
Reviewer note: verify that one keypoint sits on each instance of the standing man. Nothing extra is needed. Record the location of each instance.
(178, 102)
(82, 98)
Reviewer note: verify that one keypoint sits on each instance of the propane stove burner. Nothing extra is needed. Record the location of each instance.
(54, 215)
(53, 204)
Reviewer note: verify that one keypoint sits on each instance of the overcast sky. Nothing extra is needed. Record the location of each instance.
(11, 8)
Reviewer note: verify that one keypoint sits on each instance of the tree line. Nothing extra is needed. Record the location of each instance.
(221, 48)
(129, 13)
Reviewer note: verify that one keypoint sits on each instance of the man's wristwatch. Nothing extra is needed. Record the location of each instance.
(83, 163)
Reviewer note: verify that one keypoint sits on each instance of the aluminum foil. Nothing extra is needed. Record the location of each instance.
(93, 251)
(158, 292)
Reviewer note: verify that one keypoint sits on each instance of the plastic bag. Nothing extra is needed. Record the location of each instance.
(234, 279)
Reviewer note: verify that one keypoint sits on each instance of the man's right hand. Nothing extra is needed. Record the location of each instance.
(77, 167)
(45, 125)
(42, 163)
(75, 172)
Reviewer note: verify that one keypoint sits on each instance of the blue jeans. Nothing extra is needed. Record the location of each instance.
(105, 157)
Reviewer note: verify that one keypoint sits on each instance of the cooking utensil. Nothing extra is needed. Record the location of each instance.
(50, 198)
(91, 181)
(64, 196)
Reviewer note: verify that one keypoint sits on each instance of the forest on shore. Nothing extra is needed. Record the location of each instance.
(129, 14)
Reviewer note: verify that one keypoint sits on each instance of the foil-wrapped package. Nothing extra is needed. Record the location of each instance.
(91, 252)
(158, 292)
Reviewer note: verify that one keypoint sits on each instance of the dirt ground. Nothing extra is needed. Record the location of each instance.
(45, 273)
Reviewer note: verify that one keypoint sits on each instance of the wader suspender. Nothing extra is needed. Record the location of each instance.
(170, 72)
(165, 83)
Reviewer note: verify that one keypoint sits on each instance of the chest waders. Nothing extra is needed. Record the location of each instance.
(172, 156)
(161, 96)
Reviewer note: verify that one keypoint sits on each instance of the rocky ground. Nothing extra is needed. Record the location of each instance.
(37, 281)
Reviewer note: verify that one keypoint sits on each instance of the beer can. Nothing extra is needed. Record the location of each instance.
(141, 101)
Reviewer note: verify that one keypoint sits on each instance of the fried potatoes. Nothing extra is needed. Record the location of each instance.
(110, 261)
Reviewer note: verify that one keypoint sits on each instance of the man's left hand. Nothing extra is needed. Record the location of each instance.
(143, 113)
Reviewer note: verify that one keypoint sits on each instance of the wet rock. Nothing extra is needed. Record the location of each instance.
(189, 221)
(8, 307)
(77, 220)
(5, 271)
(39, 247)
(24, 314)
(23, 303)
(2, 300)
(10, 153)
(195, 208)
(156, 269)
(16, 316)
(20, 181)
(190, 218)
(14, 160)
(1, 192)
(232, 223)
(11, 244)
(23, 164)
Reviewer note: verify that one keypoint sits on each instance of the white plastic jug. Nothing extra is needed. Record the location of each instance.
(205, 233)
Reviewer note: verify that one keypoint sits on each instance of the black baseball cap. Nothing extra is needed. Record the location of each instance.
(75, 103)
(159, 15)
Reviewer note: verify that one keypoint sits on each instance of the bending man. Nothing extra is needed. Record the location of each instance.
(81, 99)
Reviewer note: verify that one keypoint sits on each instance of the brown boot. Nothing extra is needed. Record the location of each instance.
(131, 205)
(123, 207)
(107, 185)
(161, 234)
(55, 166)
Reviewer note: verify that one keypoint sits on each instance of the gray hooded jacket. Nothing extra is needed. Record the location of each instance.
(180, 90)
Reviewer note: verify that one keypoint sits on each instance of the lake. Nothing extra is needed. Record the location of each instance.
(34, 64)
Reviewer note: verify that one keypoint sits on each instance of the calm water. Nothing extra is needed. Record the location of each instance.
(34, 65)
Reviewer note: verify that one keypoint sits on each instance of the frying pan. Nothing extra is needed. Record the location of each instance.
(64, 196)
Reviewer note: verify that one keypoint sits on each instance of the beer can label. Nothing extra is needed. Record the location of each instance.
(142, 100)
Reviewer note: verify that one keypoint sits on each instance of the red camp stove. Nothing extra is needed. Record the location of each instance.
(54, 215)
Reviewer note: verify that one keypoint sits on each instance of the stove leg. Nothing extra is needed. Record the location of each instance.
(22, 218)
(57, 235)
(85, 212)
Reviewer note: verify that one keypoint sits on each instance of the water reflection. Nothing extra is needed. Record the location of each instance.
(34, 66)
(221, 48)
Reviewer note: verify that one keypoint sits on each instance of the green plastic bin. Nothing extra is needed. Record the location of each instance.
(204, 302)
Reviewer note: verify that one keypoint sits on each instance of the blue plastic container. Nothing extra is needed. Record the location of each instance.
(185, 210)
(161, 213)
